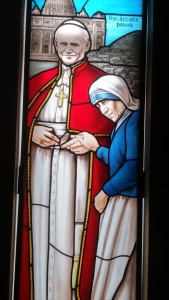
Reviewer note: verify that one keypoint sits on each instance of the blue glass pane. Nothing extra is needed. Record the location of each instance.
(118, 25)
(106, 6)
(38, 3)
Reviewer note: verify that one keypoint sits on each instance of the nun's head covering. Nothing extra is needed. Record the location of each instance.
(112, 87)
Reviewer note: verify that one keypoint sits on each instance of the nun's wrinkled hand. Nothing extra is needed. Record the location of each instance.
(75, 145)
(81, 143)
(100, 201)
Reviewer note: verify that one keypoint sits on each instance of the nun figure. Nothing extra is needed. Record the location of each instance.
(115, 265)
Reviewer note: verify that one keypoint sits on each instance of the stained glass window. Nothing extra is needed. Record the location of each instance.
(83, 98)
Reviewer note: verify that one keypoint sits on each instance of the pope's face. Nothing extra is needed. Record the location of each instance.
(71, 44)
(111, 109)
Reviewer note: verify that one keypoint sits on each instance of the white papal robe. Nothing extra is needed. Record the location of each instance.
(59, 182)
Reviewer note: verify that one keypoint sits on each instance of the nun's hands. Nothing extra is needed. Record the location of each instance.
(81, 143)
(100, 201)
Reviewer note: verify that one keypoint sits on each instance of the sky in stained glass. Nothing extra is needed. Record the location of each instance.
(109, 6)
(38, 3)
(122, 16)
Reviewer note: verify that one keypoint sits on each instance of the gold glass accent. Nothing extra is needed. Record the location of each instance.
(60, 96)
(75, 270)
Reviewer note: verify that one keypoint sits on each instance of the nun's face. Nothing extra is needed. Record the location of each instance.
(112, 109)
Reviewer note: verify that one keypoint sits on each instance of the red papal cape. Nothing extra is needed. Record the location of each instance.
(82, 116)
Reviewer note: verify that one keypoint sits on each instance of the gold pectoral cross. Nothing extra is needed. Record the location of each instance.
(60, 96)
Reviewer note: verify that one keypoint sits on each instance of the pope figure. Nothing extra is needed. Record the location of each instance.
(60, 223)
